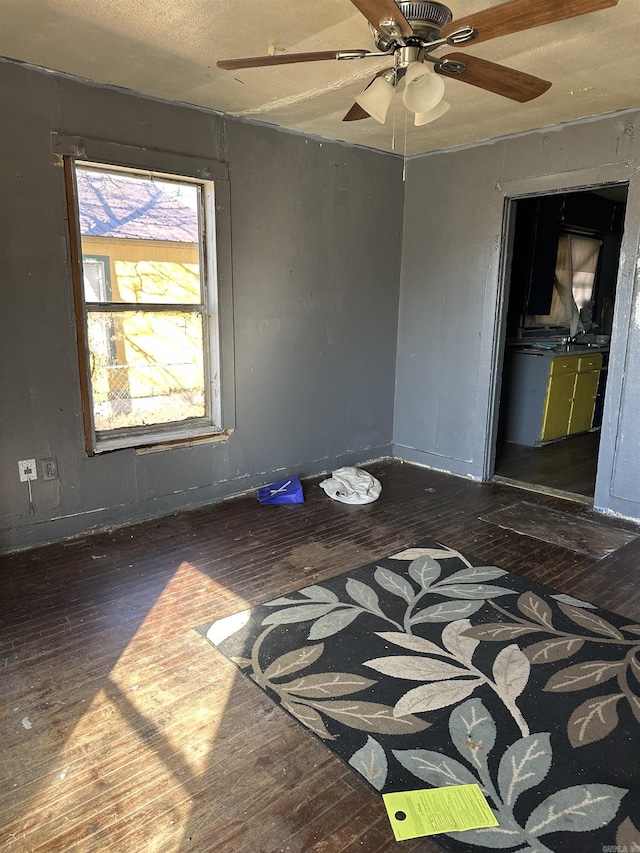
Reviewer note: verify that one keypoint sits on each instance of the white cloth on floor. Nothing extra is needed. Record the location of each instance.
(352, 486)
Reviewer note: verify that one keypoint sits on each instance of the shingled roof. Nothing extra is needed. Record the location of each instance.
(113, 205)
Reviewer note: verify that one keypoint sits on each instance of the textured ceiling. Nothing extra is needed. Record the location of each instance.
(169, 50)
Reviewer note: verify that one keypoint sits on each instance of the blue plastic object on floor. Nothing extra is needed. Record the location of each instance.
(283, 492)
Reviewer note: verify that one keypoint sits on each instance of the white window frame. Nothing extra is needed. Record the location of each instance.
(212, 177)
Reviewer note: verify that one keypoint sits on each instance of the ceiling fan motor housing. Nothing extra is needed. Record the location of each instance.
(426, 19)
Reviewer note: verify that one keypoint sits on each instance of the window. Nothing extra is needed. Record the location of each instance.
(147, 305)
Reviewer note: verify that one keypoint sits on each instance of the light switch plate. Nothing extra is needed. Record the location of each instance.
(28, 470)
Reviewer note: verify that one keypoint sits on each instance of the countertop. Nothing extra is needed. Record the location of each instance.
(552, 349)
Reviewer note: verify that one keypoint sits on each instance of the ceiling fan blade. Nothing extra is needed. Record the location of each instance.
(356, 113)
(287, 58)
(376, 11)
(518, 15)
(496, 78)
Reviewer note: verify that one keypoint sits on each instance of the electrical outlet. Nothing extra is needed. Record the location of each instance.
(27, 469)
(49, 468)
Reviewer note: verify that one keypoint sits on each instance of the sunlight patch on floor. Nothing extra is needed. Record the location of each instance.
(144, 728)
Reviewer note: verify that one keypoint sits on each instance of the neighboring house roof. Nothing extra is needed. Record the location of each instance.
(121, 206)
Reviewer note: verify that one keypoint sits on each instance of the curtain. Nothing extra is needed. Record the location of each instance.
(585, 252)
(576, 264)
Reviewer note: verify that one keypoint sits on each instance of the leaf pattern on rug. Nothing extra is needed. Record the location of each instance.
(524, 765)
(311, 696)
(628, 836)
(596, 717)
(371, 762)
(449, 683)
(331, 615)
(432, 668)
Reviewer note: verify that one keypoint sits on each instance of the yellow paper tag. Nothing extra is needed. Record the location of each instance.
(433, 810)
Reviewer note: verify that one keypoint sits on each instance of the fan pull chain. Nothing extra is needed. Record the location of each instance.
(393, 124)
(404, 160)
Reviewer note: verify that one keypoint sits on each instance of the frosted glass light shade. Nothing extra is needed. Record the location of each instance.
(423, 89)
(376, 98)
(432, 114)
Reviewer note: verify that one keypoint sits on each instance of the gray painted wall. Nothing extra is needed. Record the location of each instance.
(317, 280)
(315, 309)
(451, 297)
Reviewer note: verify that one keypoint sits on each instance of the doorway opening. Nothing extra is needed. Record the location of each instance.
(560, 292)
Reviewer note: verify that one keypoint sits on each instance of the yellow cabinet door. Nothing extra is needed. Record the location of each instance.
(584, 401)
(557, 408)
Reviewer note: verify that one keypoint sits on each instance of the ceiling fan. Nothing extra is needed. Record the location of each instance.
(411, 32)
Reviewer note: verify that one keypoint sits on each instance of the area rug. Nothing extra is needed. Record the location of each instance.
(429, 668)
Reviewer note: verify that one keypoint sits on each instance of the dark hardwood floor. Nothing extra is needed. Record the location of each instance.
(122, 729)
(569, 465)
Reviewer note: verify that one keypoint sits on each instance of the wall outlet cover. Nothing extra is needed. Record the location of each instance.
(49, 468)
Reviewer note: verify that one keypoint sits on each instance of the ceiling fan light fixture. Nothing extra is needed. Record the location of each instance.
(411, 30)
(432, 114)
(377, 97)
(423, 90)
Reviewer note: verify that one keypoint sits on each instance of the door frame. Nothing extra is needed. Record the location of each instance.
(509, 192)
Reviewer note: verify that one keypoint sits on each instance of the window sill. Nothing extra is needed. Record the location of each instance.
(154, 443)
(184, 442)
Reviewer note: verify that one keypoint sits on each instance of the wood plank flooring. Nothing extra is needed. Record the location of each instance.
(561, 528)
(122, 730)
(569, 465)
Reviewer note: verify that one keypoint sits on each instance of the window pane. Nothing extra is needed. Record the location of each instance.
(157, 281)
(148, 233)
(146, 367)
(96, 279)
